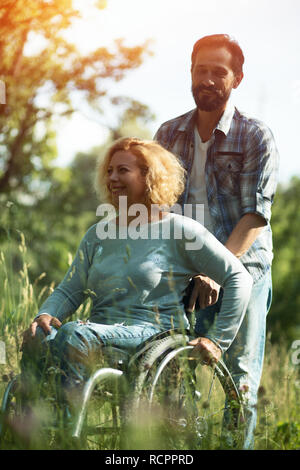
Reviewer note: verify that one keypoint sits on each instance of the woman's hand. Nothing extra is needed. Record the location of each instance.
(206, 350)
(205, 290)
(45, 321)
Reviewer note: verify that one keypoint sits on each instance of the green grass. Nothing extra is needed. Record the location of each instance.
(278, 425)
(279, 401)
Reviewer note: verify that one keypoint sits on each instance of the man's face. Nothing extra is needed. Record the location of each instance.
(213, 78)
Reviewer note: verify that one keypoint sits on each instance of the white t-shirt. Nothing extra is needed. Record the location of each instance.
(197, 190)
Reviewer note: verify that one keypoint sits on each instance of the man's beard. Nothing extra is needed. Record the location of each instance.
(210, 102)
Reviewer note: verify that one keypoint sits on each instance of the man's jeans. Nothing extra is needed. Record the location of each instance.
(245, 356)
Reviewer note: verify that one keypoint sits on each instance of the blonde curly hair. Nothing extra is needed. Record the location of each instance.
(165, 176)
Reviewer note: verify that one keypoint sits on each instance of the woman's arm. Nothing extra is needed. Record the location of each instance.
(218, 263)
(70, 293)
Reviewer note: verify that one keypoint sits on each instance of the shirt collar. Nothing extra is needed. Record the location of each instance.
(223, 125)
(226, 118)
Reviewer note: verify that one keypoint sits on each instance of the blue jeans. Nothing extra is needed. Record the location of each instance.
(76, 347)
(245, 356)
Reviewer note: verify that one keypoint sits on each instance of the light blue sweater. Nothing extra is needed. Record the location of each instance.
(142, 281)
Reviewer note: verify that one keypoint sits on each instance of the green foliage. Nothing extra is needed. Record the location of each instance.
(288, 434)
(53, 207)
(284, 316)
(41, 84)
(54, 223)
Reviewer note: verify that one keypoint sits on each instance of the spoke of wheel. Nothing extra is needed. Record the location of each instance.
(114, 416)
(209, 393)
(211, 386)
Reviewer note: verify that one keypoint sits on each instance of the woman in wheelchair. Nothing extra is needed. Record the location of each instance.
(136, 269)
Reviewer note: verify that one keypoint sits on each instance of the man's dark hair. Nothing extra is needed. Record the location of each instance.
(222, 40)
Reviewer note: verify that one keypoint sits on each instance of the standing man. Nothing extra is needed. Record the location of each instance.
(232, 164)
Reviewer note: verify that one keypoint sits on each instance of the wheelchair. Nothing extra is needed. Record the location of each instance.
(160, 397)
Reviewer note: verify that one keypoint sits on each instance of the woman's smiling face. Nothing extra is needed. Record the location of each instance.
(125, 178)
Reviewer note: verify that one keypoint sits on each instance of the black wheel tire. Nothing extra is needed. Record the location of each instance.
(178, 401)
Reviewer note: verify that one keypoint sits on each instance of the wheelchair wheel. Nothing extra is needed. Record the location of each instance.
(98, 423)
(10, 411)
(180, 401)
(22, 426)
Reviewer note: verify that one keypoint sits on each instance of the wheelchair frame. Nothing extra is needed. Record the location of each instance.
(150, 365)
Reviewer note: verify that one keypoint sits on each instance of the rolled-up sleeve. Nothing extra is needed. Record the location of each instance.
(260, 172)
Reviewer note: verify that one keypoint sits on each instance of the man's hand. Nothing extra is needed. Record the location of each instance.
(45, 321)
(206, 350)
(205, 290)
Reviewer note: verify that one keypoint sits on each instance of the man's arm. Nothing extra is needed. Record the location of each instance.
(258, 181)
(244, 234)
(206, 290)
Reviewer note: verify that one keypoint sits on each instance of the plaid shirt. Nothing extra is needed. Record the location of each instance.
(241, 175)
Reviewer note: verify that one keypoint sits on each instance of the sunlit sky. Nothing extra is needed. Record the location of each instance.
(267, 30)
